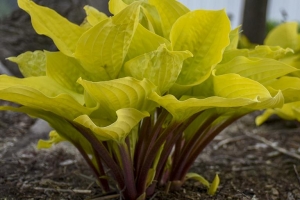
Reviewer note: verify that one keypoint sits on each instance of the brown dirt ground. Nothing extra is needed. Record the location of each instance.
(252, 162)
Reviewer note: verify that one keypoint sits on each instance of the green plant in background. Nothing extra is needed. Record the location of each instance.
(6, 7)
(271, 24)
(286, 35)
(142, 93)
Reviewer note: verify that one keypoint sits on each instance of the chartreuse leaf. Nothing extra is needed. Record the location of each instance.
(257, 97)
(115, 6)
(144, 20)
(161, 67)
(130, 1)
(212, 187)
(169, 11)
(46, 21)
(152, 171)
(54, 138)
(296, 109)
(293, 60)
(232, 53)
(284, 35)
(286, 82)
(260, 70)
(31, 63)
(133, 138)
(66, 70)
(206, 42)
(127, 119)
(230, 90)
(150, 176)
(42, 93)
(93, 16)
(202, 90)
(120, 93)
(273, 52)
(234, 38)
(259, 120)
(153, 19)
(234, 85)
(183, 109)
(141, 46)
(106, 44)
(198, 178)
(287, 112)
(290, 87)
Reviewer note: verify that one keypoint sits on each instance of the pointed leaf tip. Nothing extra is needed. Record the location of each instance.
(46, 21)
(214, 185)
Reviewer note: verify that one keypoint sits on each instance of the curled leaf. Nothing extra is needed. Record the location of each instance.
(127, 119)
(46, 21)
(120, 93)
(54, 138)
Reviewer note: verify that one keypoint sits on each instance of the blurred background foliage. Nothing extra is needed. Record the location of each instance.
(6, 7)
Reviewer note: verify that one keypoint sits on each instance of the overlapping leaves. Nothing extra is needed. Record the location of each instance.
(113, 75)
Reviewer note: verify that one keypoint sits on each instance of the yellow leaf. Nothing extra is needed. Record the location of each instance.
(47, 22)
(169, 11)
(214, 185)
(205, 34)
(284, 35)
(115, 6)
(93, 15)
(105, 45)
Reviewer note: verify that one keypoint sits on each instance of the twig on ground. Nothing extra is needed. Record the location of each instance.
(64, 190)
(236, 169)
(84, 176)
(296, 172)
(153, 197)
(228, 140)
(234, 187)
(90, 185)
(270, 144)
(47, 182)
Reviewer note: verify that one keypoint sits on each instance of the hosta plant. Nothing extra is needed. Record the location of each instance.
(286, 35)
(140, 94)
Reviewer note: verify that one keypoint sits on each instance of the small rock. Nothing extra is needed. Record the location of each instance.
(290, 196)
(67, 162)
(40, 127)
(275, 192)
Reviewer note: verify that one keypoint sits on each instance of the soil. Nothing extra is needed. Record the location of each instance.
(252, 162)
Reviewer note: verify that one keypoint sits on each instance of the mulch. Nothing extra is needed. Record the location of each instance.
(252, 162)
